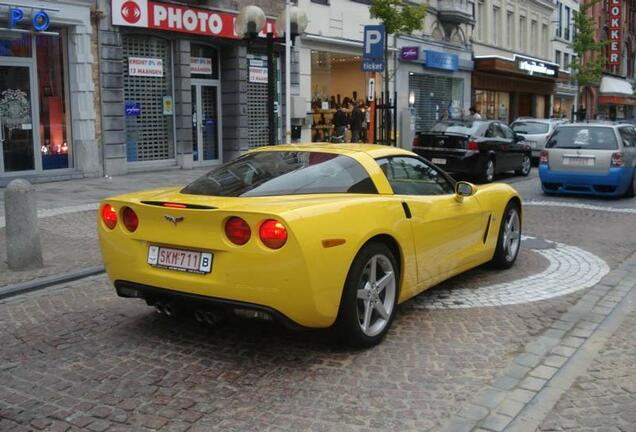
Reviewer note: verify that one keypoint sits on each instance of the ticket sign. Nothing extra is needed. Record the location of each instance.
(614, 32)
(176, 18)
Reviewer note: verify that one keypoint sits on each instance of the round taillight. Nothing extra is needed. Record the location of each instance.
(237, 230)
(273, 234)
(130, 219)
(109, 216)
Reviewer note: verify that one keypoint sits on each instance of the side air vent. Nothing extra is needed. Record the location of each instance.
(487, 228)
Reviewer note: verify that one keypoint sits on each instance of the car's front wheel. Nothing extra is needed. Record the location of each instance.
(526, 166)
(509, 240)
(369, 299)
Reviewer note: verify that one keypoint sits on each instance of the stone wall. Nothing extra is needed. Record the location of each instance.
(234, 100)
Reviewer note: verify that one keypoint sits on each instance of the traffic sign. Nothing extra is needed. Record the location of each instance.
(373, 50)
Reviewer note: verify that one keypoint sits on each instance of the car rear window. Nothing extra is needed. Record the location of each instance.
(530, 128)
(269, 173)
(583, 137)
(460, 126)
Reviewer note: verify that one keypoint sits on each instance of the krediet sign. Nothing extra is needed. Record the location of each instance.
(177, 18)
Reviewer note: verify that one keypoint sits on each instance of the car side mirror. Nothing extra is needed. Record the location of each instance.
(518, 138)
(464, 189)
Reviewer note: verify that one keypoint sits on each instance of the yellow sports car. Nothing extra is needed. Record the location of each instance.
(315, 235)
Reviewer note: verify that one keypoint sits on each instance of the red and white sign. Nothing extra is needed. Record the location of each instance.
(614, 32)
(201, 65)
(258, 75)
(148, 67)
(177, 18)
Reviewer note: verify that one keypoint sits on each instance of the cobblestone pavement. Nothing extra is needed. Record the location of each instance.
(603, 399)
(69, 243)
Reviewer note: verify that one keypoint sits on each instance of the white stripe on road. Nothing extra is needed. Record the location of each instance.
(580, 206)
(571, 269)
(44, 213)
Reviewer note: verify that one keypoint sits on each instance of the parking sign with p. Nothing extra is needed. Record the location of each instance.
(373, 50)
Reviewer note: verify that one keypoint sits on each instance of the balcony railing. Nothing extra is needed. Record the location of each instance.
(454, 11)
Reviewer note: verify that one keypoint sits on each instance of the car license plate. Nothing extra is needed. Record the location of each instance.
(438, 161)
(574, 161)
(180, 259)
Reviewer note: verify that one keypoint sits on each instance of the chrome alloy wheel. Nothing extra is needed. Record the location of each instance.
(376, 295)
(511, 234)
(526, 165)
(490, 170)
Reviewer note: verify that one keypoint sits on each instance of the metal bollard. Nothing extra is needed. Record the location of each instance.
(24, 250)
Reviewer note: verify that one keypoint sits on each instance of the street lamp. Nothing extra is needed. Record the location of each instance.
(292, 22)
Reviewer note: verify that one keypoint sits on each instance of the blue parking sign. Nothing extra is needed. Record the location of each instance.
(373, 49)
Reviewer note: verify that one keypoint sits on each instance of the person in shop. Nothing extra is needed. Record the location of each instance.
(473, 114)
(339, 122)
(357, 119)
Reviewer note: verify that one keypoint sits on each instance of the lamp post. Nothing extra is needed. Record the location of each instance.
(292, 22)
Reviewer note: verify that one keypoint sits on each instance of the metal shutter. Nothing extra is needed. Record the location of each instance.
(149, 136)
(430, 90)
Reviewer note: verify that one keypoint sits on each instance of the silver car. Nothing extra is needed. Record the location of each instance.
(592, 158)
(535, 132)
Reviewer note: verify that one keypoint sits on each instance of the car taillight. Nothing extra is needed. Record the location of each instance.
(472, 145)
(130, 219)
(273, 234)
(543, 159)
(237, 230)
(109, 216)
(416, 141)
(617, 160)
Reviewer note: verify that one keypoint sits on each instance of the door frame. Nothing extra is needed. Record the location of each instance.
(198, 83)
(29, 63)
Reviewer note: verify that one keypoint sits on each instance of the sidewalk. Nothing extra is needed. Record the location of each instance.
(67, 214)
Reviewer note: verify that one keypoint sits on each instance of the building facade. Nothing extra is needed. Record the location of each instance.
(514, 73)
(47, 94)
(564, 101)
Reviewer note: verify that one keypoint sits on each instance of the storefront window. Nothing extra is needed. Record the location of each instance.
(13, 44)
(149, 104)
(336, 80)
(435, 98)
(493, 105)
(54, 140)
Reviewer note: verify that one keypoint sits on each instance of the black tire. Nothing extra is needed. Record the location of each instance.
(348, 324)
(488, 174)
(503, 257)
(631, 189)
(526, 166)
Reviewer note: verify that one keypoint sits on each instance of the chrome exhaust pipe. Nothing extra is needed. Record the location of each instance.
(199, 315)
(159, 308)
(169, 310)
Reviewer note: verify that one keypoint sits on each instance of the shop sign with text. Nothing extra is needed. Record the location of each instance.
(534, 67)
(614, 32)
(39, 20)
(410, 53)
(201, 65)
(176, 18)
(258, 74)
(441, 60)
(147, 67)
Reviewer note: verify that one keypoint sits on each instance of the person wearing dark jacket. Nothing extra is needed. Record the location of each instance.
(357, 118)
(339, 121)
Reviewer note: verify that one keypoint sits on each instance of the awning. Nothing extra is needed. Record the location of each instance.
(613, 86)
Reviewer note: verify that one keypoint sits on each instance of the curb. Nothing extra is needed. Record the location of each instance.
(38, 284)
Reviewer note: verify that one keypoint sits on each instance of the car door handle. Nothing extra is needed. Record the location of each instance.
(407, 210)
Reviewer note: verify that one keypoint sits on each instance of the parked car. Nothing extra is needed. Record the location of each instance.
(476, 148)
(535, 132)
(590, 158)
(314, 235)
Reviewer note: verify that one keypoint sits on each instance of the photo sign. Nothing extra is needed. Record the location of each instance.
(614, 32)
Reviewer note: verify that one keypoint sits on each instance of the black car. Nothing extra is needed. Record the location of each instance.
(479, 148)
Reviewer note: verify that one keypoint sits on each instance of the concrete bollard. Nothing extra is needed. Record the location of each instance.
(24, 250)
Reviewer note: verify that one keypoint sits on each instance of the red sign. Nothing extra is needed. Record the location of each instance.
(614, 32)
(177, 18)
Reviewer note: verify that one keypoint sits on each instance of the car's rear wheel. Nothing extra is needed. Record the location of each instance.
(369, 299)
(631, 189)
(489, 171)
(526, 166)
(509, 240)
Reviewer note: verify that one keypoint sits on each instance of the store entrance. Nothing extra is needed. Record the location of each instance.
(16, 119)
(206, 131)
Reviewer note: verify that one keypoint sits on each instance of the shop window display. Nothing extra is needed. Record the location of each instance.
(54, 139)
(493, 105)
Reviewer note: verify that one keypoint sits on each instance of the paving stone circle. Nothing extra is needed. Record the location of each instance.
(571, 269)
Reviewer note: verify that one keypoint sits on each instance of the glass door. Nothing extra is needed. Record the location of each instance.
(16, 119)
(206, 130)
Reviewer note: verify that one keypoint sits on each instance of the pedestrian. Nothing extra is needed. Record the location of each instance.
(357, 119)
(339, 122)
(474, 114)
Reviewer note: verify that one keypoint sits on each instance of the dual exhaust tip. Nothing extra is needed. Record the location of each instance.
(211, 317)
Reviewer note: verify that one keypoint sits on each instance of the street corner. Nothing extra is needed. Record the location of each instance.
(544, 270)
